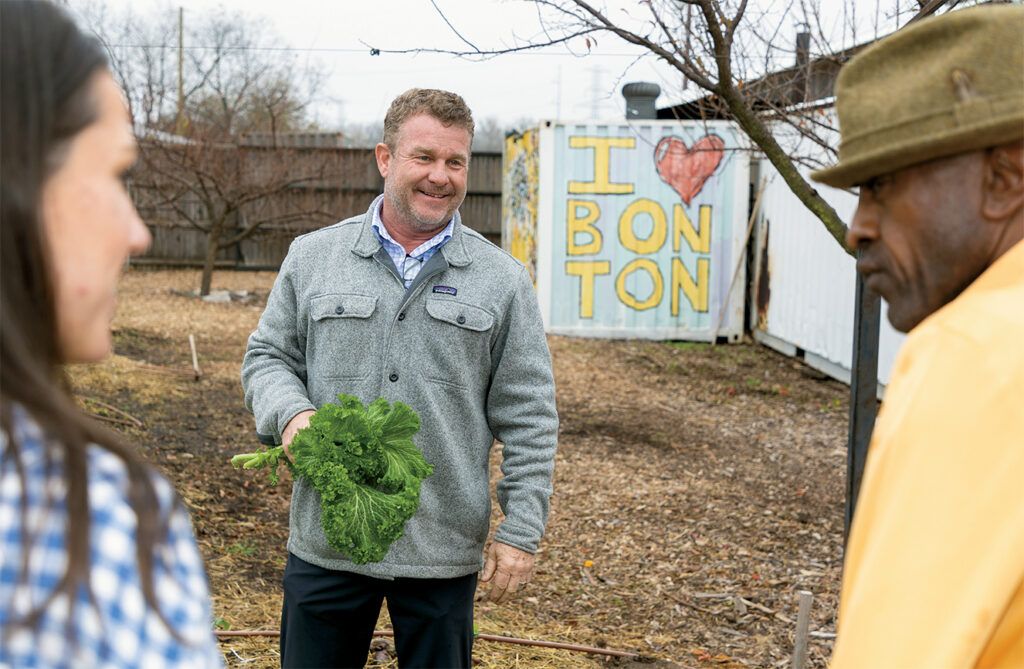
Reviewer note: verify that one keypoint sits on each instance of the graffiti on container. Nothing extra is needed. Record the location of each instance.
(646, 227)
(519, 194)
(688, 169)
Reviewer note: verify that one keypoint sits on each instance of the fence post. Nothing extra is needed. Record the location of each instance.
(803, 623)
(863, 391)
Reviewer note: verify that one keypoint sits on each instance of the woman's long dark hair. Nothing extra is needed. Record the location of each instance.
(46, 66)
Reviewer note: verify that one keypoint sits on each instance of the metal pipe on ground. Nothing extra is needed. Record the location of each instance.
(226, 634)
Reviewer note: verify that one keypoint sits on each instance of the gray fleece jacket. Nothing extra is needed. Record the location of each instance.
(464, 346)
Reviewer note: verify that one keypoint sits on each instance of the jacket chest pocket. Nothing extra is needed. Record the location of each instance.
(460, 353)
(461, 315)
(340, 341)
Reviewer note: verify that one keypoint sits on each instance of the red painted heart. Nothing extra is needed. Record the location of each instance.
(688, 169)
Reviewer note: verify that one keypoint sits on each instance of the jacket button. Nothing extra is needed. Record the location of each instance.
(393, 377)
(461, 320)
(339, 310)
(401, 316)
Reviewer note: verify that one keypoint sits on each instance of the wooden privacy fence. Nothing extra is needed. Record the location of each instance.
(350, 184)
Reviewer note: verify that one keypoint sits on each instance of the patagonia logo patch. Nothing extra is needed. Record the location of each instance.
(446, 290)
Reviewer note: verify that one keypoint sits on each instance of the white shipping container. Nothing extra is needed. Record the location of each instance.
(808, 303)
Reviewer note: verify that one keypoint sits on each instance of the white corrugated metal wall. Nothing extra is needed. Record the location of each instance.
(810, 279)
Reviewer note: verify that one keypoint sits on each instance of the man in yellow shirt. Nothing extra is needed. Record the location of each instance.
(932, 122)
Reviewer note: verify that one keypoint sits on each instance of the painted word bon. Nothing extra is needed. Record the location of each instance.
(584, 237)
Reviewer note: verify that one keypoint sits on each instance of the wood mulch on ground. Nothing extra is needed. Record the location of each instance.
(697, 490)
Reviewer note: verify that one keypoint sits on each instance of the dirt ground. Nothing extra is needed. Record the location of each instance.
(697, 490)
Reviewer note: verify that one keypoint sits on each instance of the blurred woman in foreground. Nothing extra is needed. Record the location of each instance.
(98, 564)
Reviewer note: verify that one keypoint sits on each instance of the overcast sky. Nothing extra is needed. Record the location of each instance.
(552, 84)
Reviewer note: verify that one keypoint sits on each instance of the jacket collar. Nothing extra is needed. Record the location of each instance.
(367, 244)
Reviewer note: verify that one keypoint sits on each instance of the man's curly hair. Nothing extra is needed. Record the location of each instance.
(448, 108)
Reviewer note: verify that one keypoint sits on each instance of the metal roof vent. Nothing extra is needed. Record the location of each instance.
(640, 97)
(803, 47)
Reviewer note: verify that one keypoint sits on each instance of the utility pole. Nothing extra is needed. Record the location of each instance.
(179, 124)
(688, 52)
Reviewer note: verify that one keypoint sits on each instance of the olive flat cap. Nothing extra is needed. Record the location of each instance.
(943, 86)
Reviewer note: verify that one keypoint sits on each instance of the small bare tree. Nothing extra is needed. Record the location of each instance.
(231, 190)
(721, 46)
(218, 144)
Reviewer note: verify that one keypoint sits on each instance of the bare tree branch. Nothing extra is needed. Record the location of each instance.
(215, 174)
(486, 54)
(716, 40)
(453, 29)
(930, 7)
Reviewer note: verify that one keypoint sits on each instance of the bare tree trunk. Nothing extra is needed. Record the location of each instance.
(212, 246)
(763, 138)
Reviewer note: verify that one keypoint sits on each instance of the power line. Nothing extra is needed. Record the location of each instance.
(234, 48)
(364, 50)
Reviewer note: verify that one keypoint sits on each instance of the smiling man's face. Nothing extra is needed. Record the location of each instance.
(424, 174)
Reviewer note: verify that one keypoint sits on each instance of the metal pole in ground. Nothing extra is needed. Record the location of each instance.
(863, 391)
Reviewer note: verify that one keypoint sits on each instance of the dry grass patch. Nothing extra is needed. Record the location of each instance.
(697, 488)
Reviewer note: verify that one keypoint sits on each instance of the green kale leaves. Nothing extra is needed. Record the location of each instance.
(368, 472)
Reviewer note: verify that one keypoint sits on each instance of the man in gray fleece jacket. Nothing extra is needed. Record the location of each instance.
(406, 303)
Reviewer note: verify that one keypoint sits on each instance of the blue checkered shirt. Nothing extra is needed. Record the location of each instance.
(410, 264)
(120, 630)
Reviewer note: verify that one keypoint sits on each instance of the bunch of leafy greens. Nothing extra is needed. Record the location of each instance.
(364, 464)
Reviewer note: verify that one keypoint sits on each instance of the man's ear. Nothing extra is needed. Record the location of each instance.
(383, 154)
(1003, 195)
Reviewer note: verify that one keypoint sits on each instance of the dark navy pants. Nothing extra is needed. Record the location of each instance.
(328, 618)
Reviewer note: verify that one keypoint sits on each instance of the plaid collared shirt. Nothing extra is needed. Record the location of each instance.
(410, 264)
(118, 629)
